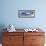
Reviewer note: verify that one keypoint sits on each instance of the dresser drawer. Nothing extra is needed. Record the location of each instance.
(37, 44)
(13, 44)
(12, 39)
(37, 39)
(16, 41)
(13, 33)
(34, 33)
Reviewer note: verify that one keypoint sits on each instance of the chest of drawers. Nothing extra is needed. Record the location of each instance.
(23, 39)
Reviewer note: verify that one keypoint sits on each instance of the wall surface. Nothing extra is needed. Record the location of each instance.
(9, 13)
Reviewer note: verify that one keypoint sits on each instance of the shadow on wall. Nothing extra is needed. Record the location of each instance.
(2, 26)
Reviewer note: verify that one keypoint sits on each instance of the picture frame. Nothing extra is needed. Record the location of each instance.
(26, 13)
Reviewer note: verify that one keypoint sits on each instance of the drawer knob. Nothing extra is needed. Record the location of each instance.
(33, 39)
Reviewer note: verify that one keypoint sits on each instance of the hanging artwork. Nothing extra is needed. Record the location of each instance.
(26, 13)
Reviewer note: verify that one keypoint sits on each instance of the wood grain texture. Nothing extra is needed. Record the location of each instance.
(13, 39)
(23, 39)
(34, 39)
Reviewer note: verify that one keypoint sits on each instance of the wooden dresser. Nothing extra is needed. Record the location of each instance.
(23, 39)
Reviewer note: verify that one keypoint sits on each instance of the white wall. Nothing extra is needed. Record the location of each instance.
(9, 13)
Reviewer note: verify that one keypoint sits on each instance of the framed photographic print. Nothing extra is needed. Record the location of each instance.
(26, 13)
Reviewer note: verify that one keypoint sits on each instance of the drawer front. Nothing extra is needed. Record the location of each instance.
(34, 33)
(13, 41)
(13, 33)
(37, 45)
(12, 44)
(37, 39)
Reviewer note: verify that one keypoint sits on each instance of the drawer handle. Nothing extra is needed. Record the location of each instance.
(33, 39)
